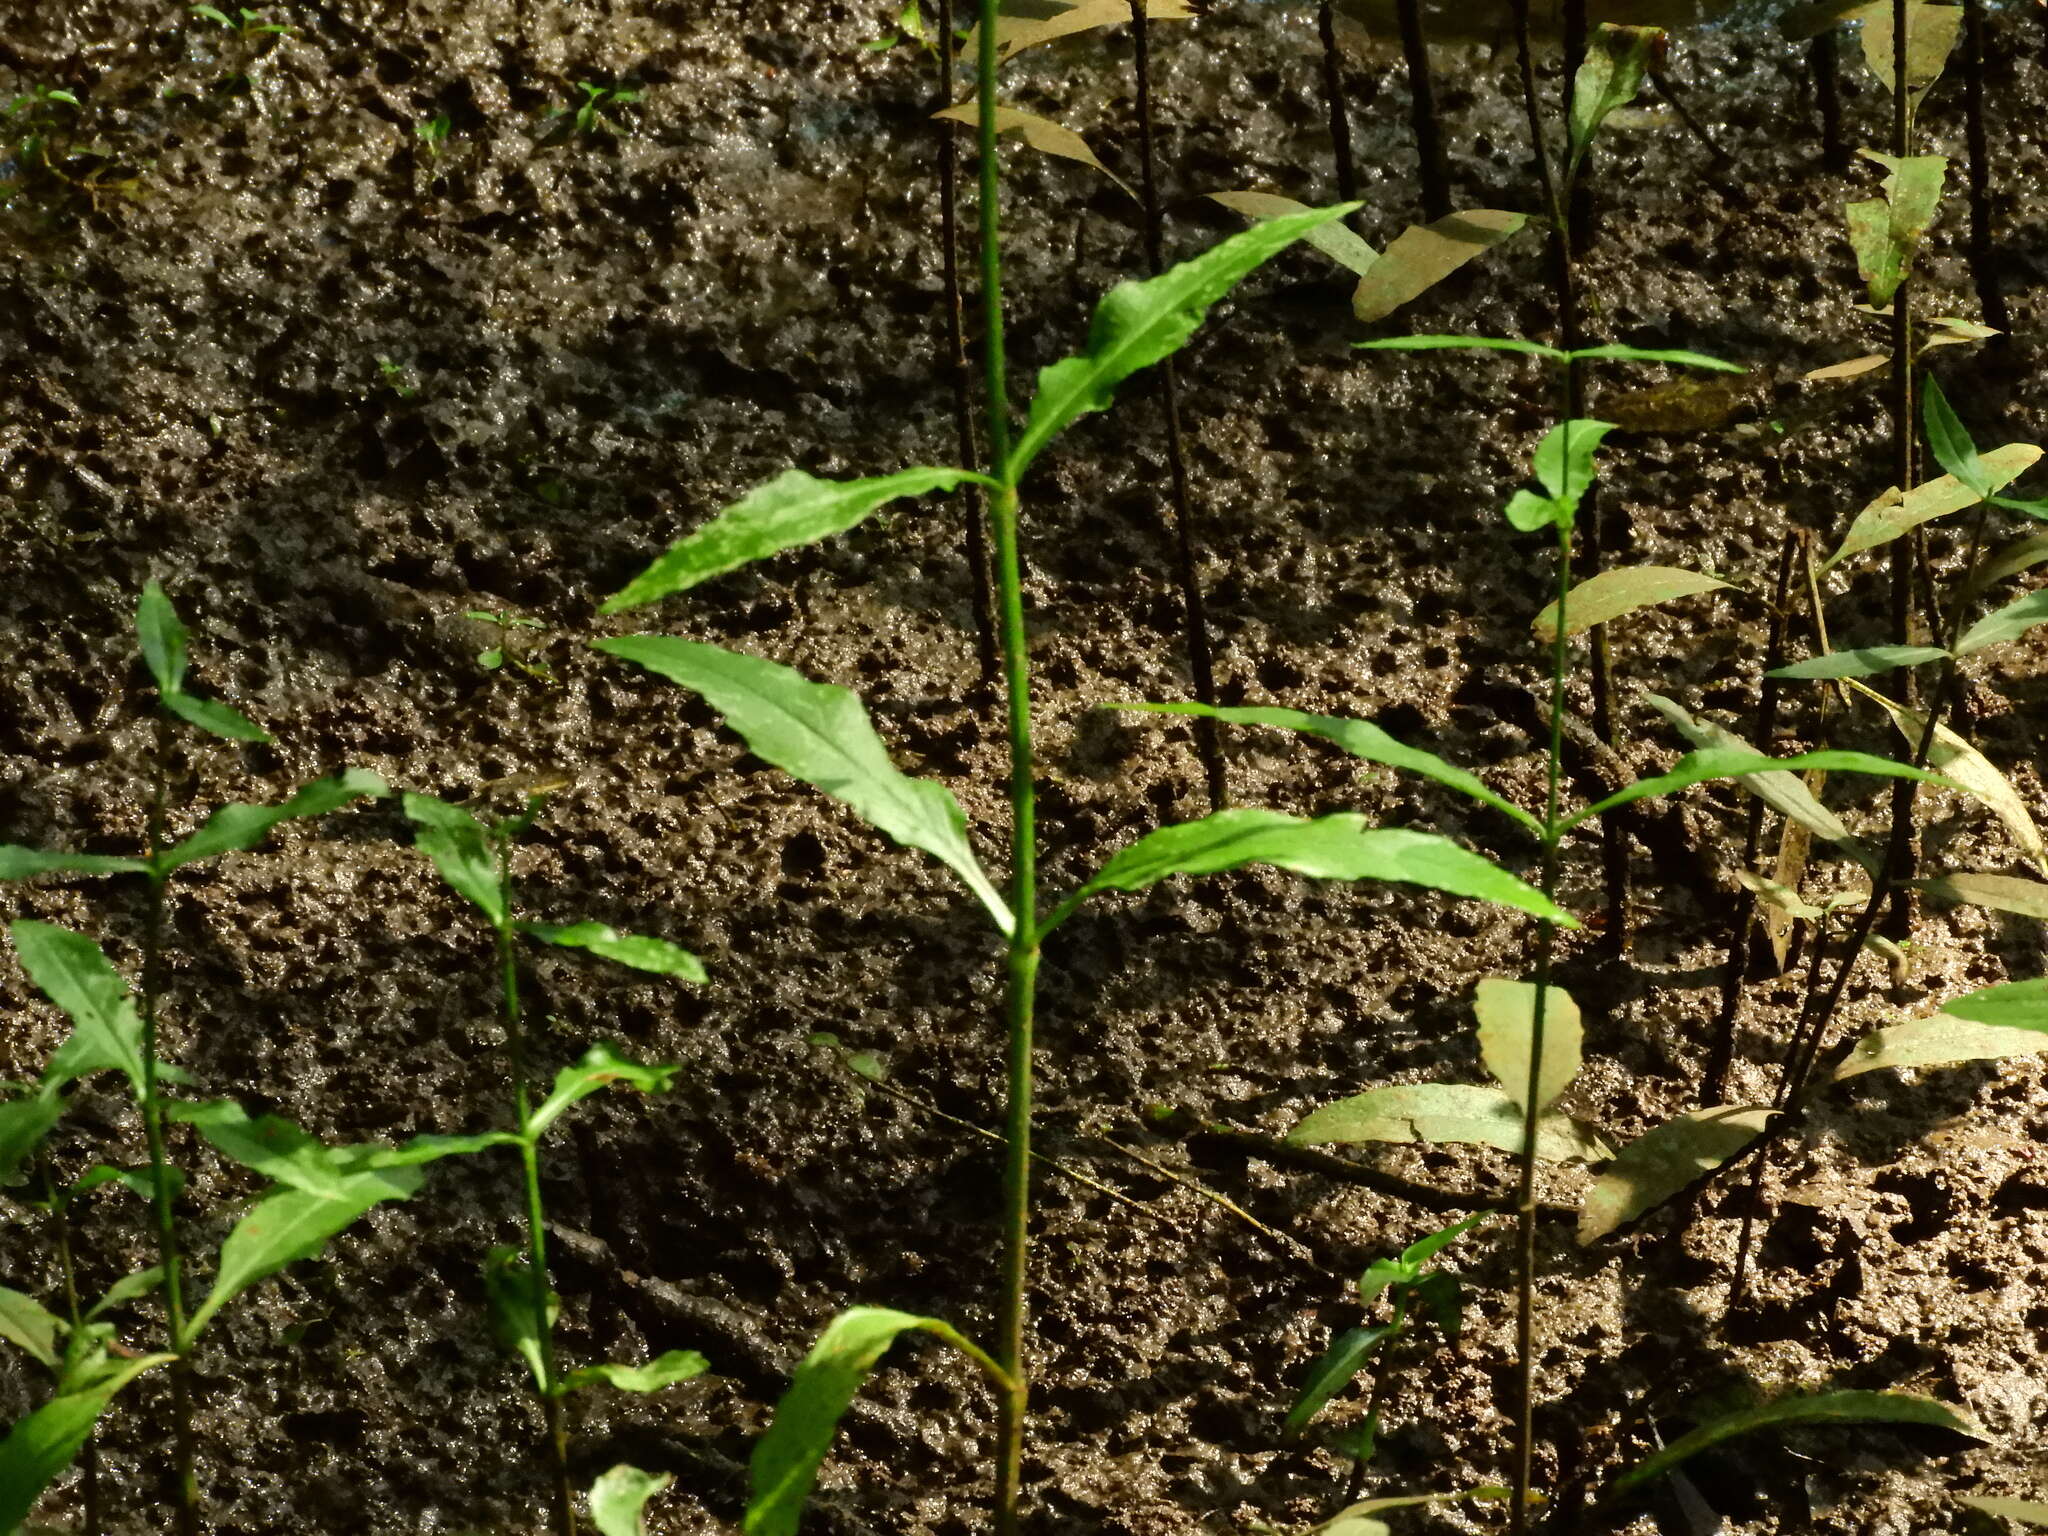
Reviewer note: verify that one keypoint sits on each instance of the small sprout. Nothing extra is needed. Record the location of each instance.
(244, 23)
(592, 113)
(910, 28)
(493, 657)
(432, 132)
(394, 375)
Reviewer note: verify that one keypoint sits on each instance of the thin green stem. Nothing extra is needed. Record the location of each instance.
(186, 1471)
(1546, 943)
(536, 1215)
(1022, 958)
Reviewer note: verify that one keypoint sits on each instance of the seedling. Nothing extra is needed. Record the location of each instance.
(1412, 1293)
(495, 656)
(909, 28)
(432, 134)
(593, 113)
(474, 858)
(244, 23)
(112, 1033)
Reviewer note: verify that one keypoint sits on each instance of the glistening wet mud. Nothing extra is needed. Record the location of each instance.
(335, 390)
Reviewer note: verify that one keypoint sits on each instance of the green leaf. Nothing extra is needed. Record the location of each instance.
(1507, 1021)
(163, 640)
(1610, 76)
(1339, 847)
(2011, 1005)
(18, 863)
(822, 735)
(618, 1497)
(1361, 739)
(2005, 893)
(1867, 661)
(2022, 554)
(599, 1067)
(213, 717)
(1423, 255)
(1341, 1362)
(24, 1122)
(515, 1320)
(1440, 1297)
(128, 1288)
(279, 1150)
(2008, 623)
(1737, 763)
(1942, 1040)
(1968, 770)
(1930, 38)
(1677, 356)
(1664, 1160)
(1821, 1408)
(1892, 515)
(1781, 790)
(235, 828)
(630, 949)
(1445, 1112)
(787, 512)
(1886, 232)
(369, 1156)
(292, 1224)
(1419, 1253)
(1460, 344)
(106, 1033)
(29, 1326)
(1336, 240)
(1621, 589)
(136, 1181)
(42, 1445)
(1950, 440)
(2027, 1511)
(786, 1459)
(1564, 460)
(461, 850)
(662, 1371)
(1140, 323)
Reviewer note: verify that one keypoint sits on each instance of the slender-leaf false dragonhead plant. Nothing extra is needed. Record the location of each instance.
(475, 859)
(821, 733)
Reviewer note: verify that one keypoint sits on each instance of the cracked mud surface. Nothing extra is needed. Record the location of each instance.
(336, 392)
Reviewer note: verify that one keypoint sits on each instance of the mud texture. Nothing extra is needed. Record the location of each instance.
(335, 391)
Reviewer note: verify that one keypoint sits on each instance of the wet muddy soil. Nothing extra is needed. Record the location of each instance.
(336, 388)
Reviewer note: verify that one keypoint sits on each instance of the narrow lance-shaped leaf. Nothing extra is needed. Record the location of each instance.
(791, 510)
(630, 949)
(1735, 763)
(1618, 590)
(24, 1122)
(1940, 1040)
(106, 1032)
(1461, 344)
(1016, 33)
(1341, 1362)
(619, 1497)
(1968, 769)
(42, 1445)
(599, 1067)
(1338, 241)
(1955, 451)
(786, 1459)
(236, 827)
(461, 850)
(1361, 739)
(1339, 847)
(1780, 790)
(2004, 893)
(1507, 1022)
(288, 1225)
(1041, 134)
(130, 1287)
(1423, 255)
(163, 637)
(665, 1370)
(822, 735)
(2026, 1511)
(1891, 515)
(2022, 554)
(515, 1321)
(29, 1326)
(2011, 1005)
(2008, 623)
(1139, 323)
(214, 717)
(273, 1147)
(1821, 1408)
(1446, 1112)
(18, 863)
(1610, 77)
(1677, 356)
(1885, 232)
(1868, 661)
(1664, 1160)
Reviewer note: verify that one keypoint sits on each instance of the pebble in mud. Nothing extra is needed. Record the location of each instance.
(606, 339)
